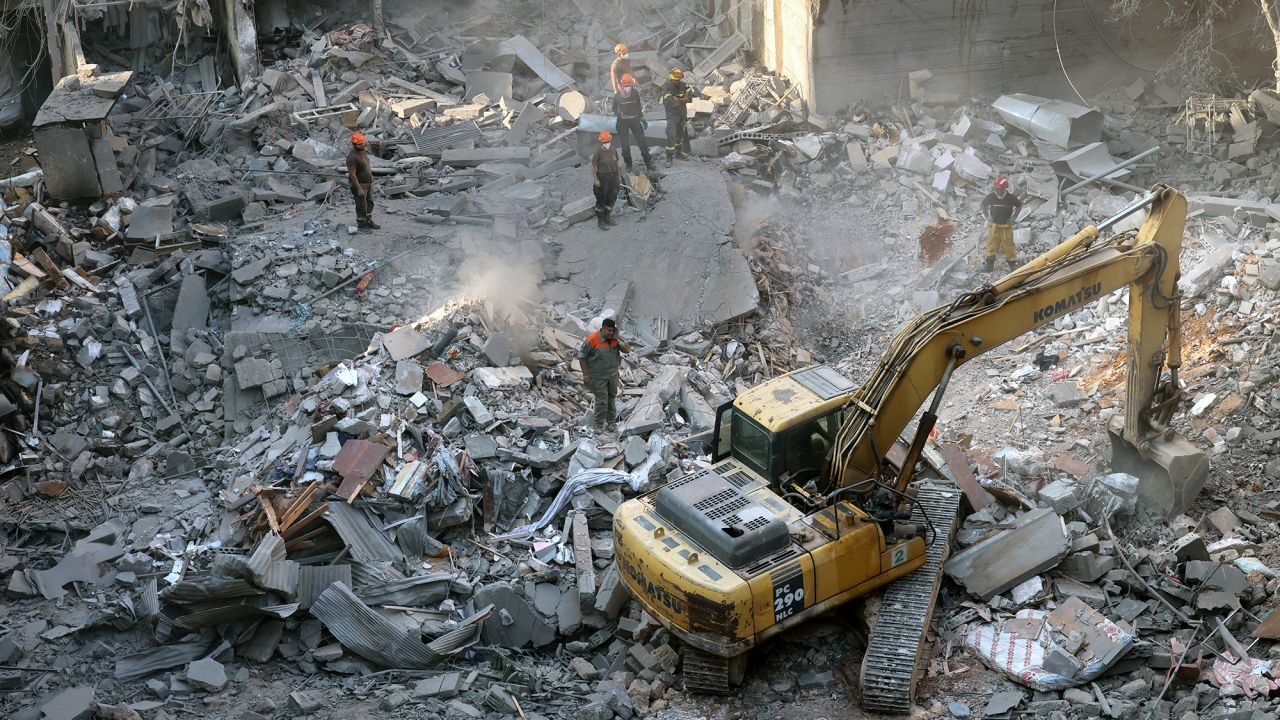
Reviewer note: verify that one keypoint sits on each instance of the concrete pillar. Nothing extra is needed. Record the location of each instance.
(242, 38)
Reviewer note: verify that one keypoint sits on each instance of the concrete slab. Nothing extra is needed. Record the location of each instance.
(67, 159)
(680, 255)
(192, 308)
(1037, 542)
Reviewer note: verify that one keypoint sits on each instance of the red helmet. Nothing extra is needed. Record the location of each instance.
(627, 79)
(1001, 183)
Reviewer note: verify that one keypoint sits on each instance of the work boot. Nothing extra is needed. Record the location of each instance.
(989, 265)
(671, 157)
(608, 218)
(602, 221)
(1013, 264)
(369, 223)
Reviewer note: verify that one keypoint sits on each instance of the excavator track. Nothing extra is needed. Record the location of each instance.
(889, 668)
(712, 674)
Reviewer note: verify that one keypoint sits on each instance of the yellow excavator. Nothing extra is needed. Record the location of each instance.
(810, 500)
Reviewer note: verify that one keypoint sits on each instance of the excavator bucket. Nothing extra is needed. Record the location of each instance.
(1170, 474)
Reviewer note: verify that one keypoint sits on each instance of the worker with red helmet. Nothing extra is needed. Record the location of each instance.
(621, 65)
(360, 173)
(605, 179)
(1001, 209)
(676, 97)
(629, 112)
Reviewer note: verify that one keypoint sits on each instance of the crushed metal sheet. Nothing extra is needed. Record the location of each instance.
(375, 638)
(148, 662)
(207, 616)
(204, 590)
(271, 569)
(442, 374)
(356, 462)
(367, 543)
(103, 543)
(409, 592)
(313, 579)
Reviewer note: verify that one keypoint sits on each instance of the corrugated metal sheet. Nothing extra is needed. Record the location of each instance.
(367, 543)
(139, 665)
(210, 615)
(271, 569)
(409, 592)
(204, 590)
(436, 139)
(375, 638)
(313, 579)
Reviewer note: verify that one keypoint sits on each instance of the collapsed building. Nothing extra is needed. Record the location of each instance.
(256, 463)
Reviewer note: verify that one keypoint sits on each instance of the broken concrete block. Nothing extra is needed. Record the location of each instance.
(1207, 273)
(696, 410)
(306, 701)
(1215, 576)
(1037, 542)
(192, 308)
(253, 372)
(513, 623)
(408, 377)
(1189, 547)
(1086, 566)
(470, 157)
(71, 704)
(1065, 394)
(1062, 496)
(504, 378)
(207, 674)
(227, 207)
(498, 349)
(583, 561)
(613, 593)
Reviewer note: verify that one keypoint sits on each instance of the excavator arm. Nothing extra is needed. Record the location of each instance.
(1079, 271)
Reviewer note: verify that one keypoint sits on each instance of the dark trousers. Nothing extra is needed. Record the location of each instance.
(677, 139)
(627, 129)
(364, 200)
(606, 193)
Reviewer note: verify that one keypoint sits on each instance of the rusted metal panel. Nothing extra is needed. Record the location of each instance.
(356, 462)
(710, 616)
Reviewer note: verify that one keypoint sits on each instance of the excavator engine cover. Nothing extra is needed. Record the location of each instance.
(716, 515)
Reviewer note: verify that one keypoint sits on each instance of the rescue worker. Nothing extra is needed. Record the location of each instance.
(1001, 209)
(605, 178)
(621, 65)
(676, 97)
(599, 358)
(360, 172)
(631, 123)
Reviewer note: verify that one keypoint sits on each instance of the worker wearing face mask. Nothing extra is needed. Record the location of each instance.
(629, 112)
(621, 65)
(604, 174)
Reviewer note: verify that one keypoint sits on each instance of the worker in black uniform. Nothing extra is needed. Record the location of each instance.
(631, 122)
(604, 175)
(676, 97)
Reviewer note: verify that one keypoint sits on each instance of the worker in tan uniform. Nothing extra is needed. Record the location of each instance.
(621, 66)
(600, 357)
(605, 179)
(1001, 208)
(360, 173)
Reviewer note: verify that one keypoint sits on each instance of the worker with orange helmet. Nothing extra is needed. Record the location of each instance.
(1001, 209)
(676, 97)
(629, 111)
(621, 65)
(605, 179)
(360, 173)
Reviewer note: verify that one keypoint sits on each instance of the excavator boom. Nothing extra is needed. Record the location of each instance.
(1077, 272)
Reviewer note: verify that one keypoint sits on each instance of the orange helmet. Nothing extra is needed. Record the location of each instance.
(1001, 183)
(605, 136)
(621, 48)
(676, 74)
(357, 138)
(627, 79)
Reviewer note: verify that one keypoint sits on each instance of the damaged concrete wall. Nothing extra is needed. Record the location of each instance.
(783, 42)
(859, 50)
(241, 36)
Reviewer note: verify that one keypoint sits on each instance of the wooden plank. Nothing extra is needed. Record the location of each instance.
(24, 287)
(28, 267)
(299, 506)
(298, 527)
(42, 258)
(959, 467)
